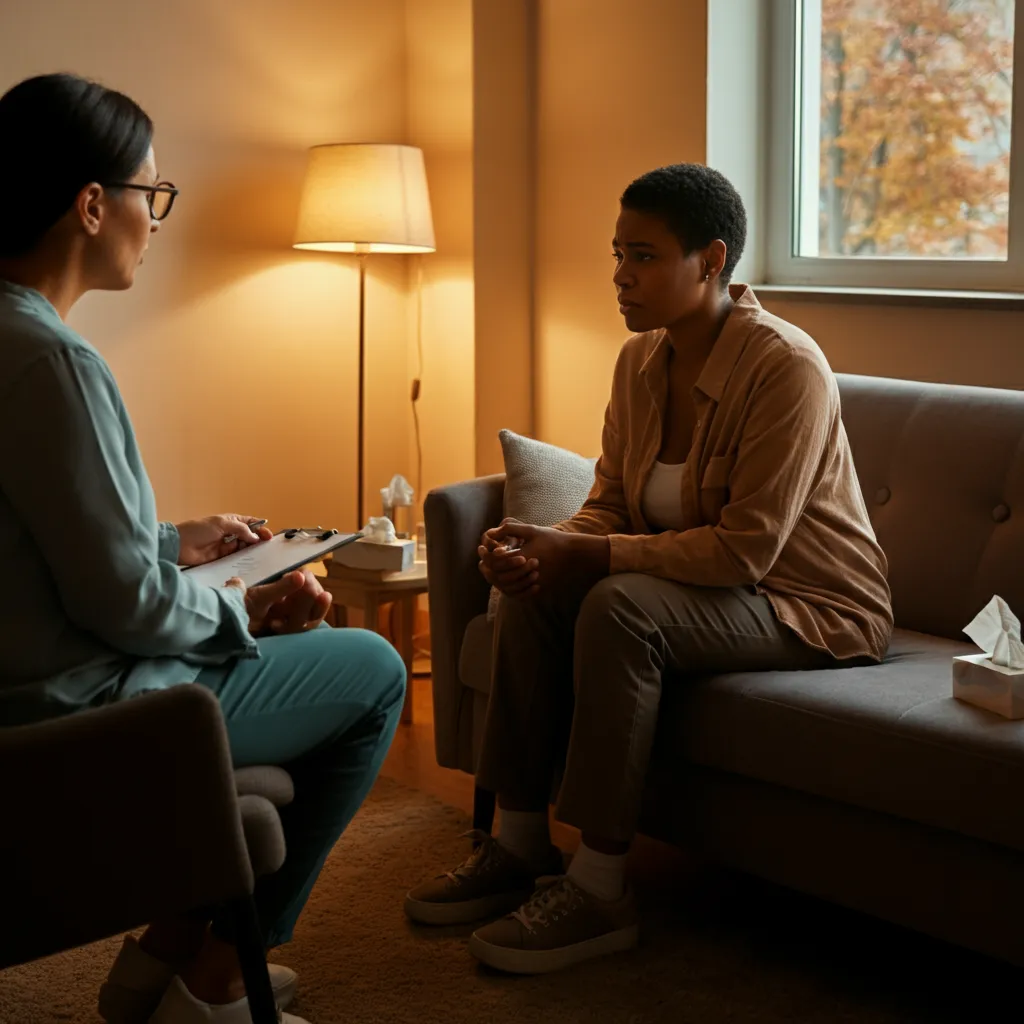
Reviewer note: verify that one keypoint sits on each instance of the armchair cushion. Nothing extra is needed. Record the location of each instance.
(115, 817)
(456, 516)
(264, 836)
(272, 783)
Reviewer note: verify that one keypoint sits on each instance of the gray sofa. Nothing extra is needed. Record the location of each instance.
(871, 787)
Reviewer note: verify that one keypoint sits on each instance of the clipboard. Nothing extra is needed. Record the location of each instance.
(268, 560)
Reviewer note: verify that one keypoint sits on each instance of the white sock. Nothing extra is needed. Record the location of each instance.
(526, 834)
(601, 874)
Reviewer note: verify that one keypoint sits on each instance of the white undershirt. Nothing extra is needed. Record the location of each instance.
(663, 496)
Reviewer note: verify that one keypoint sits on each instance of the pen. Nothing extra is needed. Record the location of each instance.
(254, 526)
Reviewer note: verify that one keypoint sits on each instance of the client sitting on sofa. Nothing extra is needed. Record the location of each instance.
(726, 531)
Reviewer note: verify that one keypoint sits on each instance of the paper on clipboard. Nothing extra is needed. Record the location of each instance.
(260, 563)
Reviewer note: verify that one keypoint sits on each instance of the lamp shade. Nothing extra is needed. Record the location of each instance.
(365, 198)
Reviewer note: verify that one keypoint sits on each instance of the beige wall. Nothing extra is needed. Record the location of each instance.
(620, 90)
(950, 346)
(235, 353)
(439, 39)
(504, 136)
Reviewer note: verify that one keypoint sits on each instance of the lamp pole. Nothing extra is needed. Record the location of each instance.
(361, 430)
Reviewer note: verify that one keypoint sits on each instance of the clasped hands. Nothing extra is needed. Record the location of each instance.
(523, 560)
(293, 604)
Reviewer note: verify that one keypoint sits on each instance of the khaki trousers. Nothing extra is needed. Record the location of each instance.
(580, 676)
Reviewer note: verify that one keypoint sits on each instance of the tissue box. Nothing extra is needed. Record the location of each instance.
(993, 687)
(397, 556)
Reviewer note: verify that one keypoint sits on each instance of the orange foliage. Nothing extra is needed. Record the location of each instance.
(915, 127)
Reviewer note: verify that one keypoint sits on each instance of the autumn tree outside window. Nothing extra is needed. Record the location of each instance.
(897, 130)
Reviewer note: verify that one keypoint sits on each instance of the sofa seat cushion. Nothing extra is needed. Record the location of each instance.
(888, 738)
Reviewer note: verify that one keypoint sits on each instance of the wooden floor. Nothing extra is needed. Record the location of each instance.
(411, 760)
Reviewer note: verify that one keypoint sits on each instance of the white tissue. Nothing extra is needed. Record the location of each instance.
(996, 630)
(379, 530)
(398, 493)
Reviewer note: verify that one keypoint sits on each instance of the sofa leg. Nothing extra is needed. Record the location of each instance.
(484, 803)
(253, 958)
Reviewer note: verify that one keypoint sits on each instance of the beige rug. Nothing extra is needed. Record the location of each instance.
(721, 949)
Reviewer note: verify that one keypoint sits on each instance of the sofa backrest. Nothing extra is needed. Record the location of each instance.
(942, 471)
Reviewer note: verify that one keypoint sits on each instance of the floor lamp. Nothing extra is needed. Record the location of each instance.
(365, 198)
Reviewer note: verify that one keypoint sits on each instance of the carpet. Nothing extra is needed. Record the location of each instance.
(718, 949)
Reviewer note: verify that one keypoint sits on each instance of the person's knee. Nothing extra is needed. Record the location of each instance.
(614, 631)
(384, 664)
(609, 606)
(358, 659)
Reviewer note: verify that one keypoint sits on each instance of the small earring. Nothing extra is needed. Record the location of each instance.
(707, 273)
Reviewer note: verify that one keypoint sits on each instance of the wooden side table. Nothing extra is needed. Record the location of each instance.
(352, 588)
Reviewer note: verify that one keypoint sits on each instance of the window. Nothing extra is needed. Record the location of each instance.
(896, 160)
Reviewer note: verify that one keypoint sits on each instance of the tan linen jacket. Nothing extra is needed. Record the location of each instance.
(770, 495)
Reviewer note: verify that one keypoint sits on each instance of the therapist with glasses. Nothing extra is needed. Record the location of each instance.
(160, 196)
(97, 608)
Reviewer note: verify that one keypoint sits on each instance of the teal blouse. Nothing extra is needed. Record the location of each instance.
(93, 606)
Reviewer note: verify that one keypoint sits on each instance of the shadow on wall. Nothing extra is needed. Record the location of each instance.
(301, 71)
(236, 217)
(270, 89)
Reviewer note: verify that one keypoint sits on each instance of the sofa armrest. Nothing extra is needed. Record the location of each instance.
(455, 518)
(115, 817)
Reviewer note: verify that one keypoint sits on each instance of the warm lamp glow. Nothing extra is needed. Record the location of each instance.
(365, 198)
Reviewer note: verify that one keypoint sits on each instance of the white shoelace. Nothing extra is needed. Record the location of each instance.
(476, 859)
(554, 898)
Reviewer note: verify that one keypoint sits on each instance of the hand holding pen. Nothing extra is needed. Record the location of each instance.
(254, 527)
(204, 540)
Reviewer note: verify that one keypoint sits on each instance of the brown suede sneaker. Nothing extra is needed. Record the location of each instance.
(559, 926)
(489, 883)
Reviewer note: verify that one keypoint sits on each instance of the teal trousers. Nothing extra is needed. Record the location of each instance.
(324, 705)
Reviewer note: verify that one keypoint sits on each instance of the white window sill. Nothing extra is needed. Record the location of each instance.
(934, 299)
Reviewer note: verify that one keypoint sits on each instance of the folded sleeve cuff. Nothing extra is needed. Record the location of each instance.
(233, 639)
(624, 553)
(168, 542)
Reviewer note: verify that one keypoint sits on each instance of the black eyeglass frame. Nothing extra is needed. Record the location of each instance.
(160, 186)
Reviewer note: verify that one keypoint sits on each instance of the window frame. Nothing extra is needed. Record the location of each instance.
(785, 57)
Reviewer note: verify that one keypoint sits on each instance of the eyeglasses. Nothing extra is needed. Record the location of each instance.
(160, 196)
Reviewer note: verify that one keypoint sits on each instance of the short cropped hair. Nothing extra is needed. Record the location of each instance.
(698, 204)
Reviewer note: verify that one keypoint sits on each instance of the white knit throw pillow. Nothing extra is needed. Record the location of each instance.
(543, 485)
